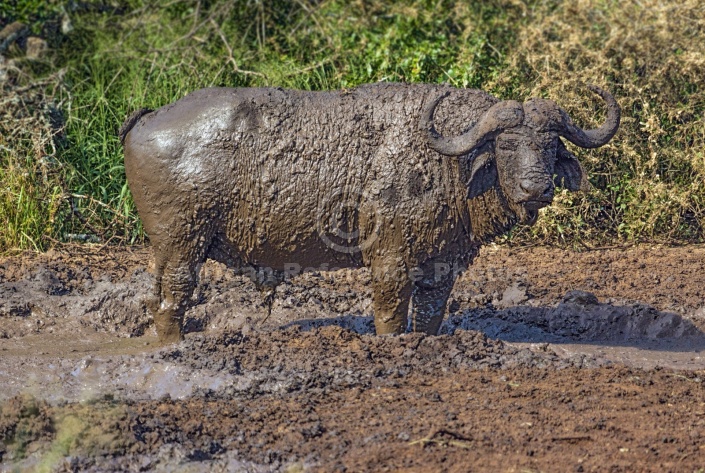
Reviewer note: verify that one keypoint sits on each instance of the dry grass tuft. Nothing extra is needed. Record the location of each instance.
(650, 180)
(30, 193)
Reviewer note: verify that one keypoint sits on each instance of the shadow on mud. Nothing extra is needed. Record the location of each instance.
(585, 321)
(578, 319)
(361, 324)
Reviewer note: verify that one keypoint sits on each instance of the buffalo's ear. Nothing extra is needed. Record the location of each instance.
(483, 175)
(568, 172)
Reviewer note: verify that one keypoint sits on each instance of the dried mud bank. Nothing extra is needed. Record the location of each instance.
(604, 419)
(84, 385)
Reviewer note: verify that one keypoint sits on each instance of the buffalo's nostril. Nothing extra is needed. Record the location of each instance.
(536, 192)
(536, 189)
(548, 192)
(526, 187)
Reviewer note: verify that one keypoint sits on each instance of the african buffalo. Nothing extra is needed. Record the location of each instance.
(405, 179)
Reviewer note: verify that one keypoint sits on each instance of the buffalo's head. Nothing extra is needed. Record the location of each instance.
(517, 148)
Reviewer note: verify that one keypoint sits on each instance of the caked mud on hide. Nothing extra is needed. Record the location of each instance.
(406, 179)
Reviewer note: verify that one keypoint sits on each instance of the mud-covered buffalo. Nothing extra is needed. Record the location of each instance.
(408, 180)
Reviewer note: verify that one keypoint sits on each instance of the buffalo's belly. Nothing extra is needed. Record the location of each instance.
(288, 210)
(302, 253)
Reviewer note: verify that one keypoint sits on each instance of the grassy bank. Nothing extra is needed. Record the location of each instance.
(648, 184)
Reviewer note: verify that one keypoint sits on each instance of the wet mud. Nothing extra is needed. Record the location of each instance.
(548, 359)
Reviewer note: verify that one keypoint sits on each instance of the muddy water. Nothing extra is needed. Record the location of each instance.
(73, 332)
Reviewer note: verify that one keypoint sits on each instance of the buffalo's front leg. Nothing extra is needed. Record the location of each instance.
(428, 305)
(391, 291)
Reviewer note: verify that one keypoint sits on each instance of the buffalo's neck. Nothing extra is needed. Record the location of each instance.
(485, 216)
(490, 216)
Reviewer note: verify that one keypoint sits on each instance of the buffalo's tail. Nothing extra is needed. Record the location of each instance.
(130, 122)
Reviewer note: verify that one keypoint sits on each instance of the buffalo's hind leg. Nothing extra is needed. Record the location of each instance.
(176, 272)
(154, 300)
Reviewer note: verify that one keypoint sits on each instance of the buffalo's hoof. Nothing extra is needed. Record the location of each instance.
(169, 337)
(152, 303)
(392, 327)
(168, 329)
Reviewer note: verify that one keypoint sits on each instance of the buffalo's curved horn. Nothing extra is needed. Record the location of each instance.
(497, 118)
(599, 136)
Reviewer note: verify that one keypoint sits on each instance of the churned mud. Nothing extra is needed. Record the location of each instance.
(549, 360)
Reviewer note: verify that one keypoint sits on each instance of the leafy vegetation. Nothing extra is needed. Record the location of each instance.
(122, 55)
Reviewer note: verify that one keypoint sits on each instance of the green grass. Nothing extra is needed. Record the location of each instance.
(129, 54)
(34, 13)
